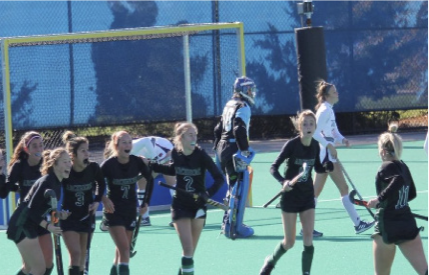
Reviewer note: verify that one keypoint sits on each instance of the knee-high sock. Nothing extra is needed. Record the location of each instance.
(351, 210)
(74, 270)
(187, 266)
(146, 215)
(123, 269)
(307, 259)
(278, 252)
(49, 270)
(140, 197)
(114, 270)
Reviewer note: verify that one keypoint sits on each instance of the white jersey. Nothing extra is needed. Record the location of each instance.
(426, 145)
(326, 131)
(153, 148)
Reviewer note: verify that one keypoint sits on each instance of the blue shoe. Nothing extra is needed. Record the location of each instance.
(316, 234)
(245, 231)
(363, 226)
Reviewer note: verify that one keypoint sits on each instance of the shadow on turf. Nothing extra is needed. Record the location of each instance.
(360, 238)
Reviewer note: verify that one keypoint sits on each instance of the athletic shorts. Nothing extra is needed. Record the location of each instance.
(296, 206)
(18, 233)
(225, 150)
(396, 227)
(182, 213)
(20, 227)
(42, 231)
(76, 225)
(325, 155)
(126, 219)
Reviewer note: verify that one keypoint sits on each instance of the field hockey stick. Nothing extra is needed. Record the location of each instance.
(49, 193)
(354, 187)
(291, 183)
(146, 200)
(365, 204)
(88, 244)
(134, 237)
(195, 196)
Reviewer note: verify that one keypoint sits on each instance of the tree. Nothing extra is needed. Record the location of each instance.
(141, 80)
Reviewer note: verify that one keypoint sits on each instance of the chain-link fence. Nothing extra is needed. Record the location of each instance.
(377, 56)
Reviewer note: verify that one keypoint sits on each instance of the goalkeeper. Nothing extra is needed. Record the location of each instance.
(231, 135)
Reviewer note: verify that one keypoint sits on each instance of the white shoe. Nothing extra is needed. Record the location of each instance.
(145, 222)
(103, 227)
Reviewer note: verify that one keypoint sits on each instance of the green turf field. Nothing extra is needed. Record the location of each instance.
(339, 251)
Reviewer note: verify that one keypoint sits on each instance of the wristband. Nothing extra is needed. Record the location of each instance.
(140, 196)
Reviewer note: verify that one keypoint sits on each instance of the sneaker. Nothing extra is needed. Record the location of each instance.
(171, 224)
(103, 227)
(267, 268)
(363, 226)
(316, 233)
(145, 222)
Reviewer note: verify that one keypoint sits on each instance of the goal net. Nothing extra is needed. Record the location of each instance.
(56, 82)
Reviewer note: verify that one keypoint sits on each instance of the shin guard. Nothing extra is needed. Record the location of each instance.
(239, 199)
(307, 259)
(114, 270)
(187, 266)
(277, 254)
(123, 269)
(74, 270)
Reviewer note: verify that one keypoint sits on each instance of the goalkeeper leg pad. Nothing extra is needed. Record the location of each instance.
(243, 231)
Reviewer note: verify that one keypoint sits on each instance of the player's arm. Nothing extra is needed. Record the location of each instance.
(4, 190)
(339, 138)
(322, 118)
(240, 133)
(274, 169)
(217, 133)
(37, 202)
(100, 183)
(215, 172)
(319, 167)
(13, 177)
(165, 169)
(391, 175)
(242, 116)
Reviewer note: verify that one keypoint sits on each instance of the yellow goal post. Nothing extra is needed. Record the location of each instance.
(16, 70)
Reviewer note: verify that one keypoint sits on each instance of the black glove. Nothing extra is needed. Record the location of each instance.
(329, 166)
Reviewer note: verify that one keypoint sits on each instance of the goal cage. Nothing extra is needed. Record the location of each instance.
(51, 83)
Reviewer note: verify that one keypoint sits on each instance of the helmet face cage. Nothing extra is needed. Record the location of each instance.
(246, 87)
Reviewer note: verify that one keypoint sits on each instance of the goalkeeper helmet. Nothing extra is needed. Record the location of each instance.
(246, 87)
